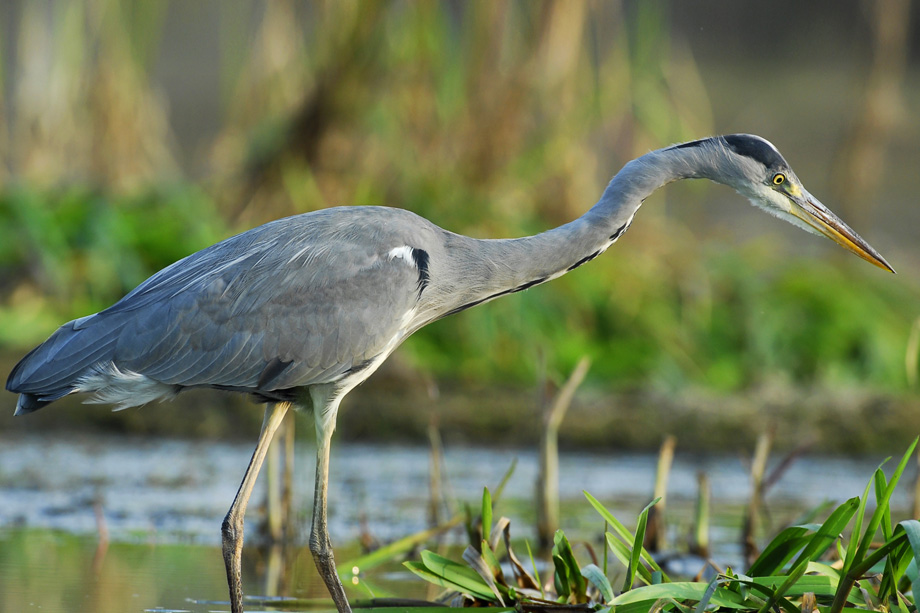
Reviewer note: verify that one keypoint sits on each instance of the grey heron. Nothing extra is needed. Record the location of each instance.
(299, 311)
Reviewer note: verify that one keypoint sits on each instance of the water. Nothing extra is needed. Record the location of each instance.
(161, 503)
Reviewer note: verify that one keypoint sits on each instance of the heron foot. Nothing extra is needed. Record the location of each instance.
(232, 546)
(325, 564)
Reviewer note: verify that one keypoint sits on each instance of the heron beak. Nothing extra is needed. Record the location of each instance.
(810, 210)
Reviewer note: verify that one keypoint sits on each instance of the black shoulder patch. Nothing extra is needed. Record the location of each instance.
(421, 262)
(755, 148)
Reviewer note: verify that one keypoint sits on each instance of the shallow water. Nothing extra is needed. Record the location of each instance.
(161, 503)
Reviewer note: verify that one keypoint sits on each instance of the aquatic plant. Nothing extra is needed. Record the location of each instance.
(803, 568)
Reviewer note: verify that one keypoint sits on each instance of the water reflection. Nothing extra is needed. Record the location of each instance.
(161, 502)
(54, 572)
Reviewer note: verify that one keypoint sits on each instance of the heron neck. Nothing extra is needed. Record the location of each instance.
(496, 267)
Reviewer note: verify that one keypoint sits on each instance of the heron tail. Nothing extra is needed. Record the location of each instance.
(29, 403)
(54, 369)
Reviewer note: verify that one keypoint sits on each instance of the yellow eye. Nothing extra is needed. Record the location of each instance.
(779, 178)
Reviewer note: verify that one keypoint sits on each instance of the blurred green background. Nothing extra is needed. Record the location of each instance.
(134, 133)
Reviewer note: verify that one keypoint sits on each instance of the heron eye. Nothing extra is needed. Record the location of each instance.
(779, 178)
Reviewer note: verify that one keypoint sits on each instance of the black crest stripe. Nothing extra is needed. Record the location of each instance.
(756, 149)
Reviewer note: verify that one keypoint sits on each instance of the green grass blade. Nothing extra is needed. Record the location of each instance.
(604, 568)
(634, 563)
(624, 554)
(857, 528)
(622, 532)
(879, 554)
(900, 559)
(895, 566)
(778, 595)
(567, 565)
(881, 484)
(680, 591)
(827, 533)
(475, 589)
(318, 606)
(820, 585)
(882, 508)
(618, 528)
(859, 562)
(912, 528)
(707, 595)
(486, 514)
(619, 549)
(561, 579)
(861, 567)
(536, 571)
(779, 551)
(461, 577)
(596, 577)
(893, 562)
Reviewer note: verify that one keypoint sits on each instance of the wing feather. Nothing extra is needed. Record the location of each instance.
(316, 292)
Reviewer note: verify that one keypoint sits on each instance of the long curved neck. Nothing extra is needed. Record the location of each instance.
(490, 268)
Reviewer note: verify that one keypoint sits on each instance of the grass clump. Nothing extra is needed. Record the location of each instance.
(805, 568)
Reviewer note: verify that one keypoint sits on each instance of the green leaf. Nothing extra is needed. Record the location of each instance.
(618, 528)
(461, 577)
(536, 571)
(900, 558)
(820, 585)
(882, 509)
(596, 577)
(624, 554)
(567, 566)
(634, 563)
(912, 528)
(680, 591)
(777, 596)
(779, 551)
(825, 536)
(880, 486)
(707, 595)
(486, 514)
(857, 528)
(621, 531)
(477, 589)
(561, 579)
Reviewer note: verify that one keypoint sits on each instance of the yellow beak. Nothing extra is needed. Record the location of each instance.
(810, 210)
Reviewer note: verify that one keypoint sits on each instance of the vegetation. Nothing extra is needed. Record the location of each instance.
(803, 568)
(491, 119)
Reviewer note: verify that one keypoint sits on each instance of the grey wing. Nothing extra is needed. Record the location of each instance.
(295, 317)
(285, 305)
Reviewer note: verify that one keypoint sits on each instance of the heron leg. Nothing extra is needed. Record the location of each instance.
(232, 527)
(320, 545)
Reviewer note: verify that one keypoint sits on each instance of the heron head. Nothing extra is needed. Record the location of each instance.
(754, 167)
